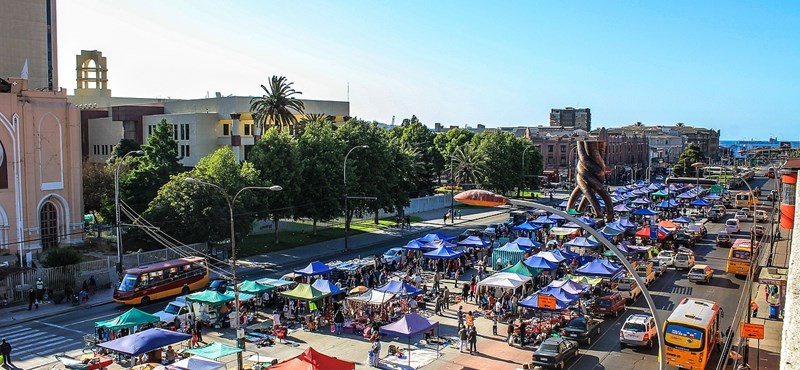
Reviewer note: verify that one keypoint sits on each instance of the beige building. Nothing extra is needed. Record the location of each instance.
(41, 198)
(28, 33)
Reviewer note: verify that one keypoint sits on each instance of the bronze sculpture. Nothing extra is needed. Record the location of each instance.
(590, 178)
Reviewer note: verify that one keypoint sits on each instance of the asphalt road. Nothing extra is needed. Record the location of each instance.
(667, 291)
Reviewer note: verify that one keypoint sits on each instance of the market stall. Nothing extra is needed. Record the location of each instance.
(315, 268)
(508, 254)
(313, 360)
(410, 325)
(197, 363)
(149, 341)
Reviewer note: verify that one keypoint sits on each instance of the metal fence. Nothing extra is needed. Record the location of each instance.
(13, 287)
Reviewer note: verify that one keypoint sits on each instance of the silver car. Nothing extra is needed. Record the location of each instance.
(638, 330)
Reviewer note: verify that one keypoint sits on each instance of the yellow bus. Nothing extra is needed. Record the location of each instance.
(690, 333)
(739, 257)
(745, 199)
(162, 279)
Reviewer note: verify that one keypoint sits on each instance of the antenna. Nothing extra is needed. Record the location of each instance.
(348, 91)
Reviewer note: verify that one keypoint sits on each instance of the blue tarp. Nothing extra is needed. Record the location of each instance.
(539, 263)
(326, 286)
(400, 288)
(443, 253)
(473, 241)
(597, 268)
(582, 242)
(645, 212)
(436, 236)
(532, 302)
(145, 341)
(315, 268)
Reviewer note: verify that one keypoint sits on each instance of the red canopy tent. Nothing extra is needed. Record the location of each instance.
(313, 360)
(645, 233)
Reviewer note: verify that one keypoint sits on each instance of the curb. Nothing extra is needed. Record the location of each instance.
(49, 315)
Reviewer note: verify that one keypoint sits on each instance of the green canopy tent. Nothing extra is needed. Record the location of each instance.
(305, 292)
(214, 350)
(523, 269)
(210, 297)
(574, 212)
(134, 317)
(249, 286)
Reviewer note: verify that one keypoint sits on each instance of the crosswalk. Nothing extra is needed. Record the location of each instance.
(28, 343)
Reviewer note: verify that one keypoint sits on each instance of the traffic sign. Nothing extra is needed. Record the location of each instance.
(546, 301)
(753, 331)
(654, 232)
(716, 189)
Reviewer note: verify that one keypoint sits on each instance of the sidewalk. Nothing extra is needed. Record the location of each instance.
(18, 314)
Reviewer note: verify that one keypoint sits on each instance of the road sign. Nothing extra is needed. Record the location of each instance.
(654, 232)
(546, 301)
(753, 331)
(716, 189)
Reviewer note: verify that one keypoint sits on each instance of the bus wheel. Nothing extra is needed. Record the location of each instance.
(185, 290)
(145, 300)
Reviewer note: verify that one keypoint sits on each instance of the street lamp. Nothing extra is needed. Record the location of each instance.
(697, 166)
(346, 219)
(231, 201)
(116, 208)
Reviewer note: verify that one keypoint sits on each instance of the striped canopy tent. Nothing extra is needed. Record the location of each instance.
(510, 252)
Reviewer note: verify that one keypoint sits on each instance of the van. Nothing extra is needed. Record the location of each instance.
(684, 260)
(180, 309)
(732, 226)
(611, 304)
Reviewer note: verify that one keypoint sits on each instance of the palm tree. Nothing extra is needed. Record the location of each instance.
(467, 164)
(278, 106)
(310, 118)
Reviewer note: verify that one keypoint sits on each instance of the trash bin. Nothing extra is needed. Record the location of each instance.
(240, 343)
(774, 311)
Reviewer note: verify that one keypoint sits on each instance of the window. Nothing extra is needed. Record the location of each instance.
(563, 161)
(175, 132)
(184, 150)
(48, 226)
(248, 129)
(549, 160)
(226, 129)
(550, 148)
(149, 130)
(563, 149)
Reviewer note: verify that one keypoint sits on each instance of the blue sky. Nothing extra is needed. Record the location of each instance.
(725, 65)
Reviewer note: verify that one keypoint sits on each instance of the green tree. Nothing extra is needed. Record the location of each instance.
(447, 142)
(124, 146)
(468, 165)
(277, 158)
(419, 138)
(98, 189)
(533, 166)
(278, 106)
(683, 166)
(194, 212)
(501, 150)
(321, 154)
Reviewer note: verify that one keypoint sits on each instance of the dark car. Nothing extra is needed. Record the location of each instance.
(612, 304)
(683, 239)
(581, 329)
(715, 215)
(470, 232)
(555, 352)
(220, 285)
(724, 240)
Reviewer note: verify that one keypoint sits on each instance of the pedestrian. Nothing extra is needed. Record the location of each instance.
(470, 321)
(472, 337)
(437, 277)
(375, 355)
(445, 218)
(32, 300)
(462, 339)
(446, 298)
(438, 305)
(198, 330)
(5, 350)
(522, 332)
(754, 308)
(459, 213)
(510, 332)
(338, 320)
(494, 325)
(460, 316)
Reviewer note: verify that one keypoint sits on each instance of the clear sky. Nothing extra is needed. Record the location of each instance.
(729, 65)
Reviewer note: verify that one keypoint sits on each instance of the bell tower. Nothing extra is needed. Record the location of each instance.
(92, 74)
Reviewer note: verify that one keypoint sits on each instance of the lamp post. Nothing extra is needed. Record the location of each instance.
(452, 189)
(573, 161)
(522, 184)
(116, 208)
(346, 218)
(231, 201)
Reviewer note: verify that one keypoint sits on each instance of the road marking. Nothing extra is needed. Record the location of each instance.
(38, 341)
(38, 351)
(60, 327)
(92, 319)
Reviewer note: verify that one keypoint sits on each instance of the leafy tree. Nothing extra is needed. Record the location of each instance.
(194, 212)
(501, 150)
(468, 165)
(278, 106)
(308, 119)
(124, 146)
(98, 189)
(683, 166)
(420, 139)
(277, 158)
(447, 142)
(321, 155)
(152, 170)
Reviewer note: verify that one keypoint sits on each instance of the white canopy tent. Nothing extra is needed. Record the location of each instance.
(198, 363)
(505, 280)
(373, 296)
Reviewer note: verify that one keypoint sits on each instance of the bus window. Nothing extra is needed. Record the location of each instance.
(683, 336)
(128, 283)
(741, 255)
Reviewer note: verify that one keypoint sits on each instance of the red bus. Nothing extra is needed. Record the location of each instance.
(162, 279)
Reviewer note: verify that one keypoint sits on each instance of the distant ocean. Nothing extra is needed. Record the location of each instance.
(745, 144)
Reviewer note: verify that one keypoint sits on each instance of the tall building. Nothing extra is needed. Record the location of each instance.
(570, 117)
(28, 33)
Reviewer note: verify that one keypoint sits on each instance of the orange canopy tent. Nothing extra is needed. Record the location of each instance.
(477, 197)
(313, 360)
(667, 224)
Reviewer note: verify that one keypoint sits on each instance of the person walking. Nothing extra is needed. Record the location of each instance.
(198, 330)
(753, 307)
(32, 299)
(472, 337)
(494, 325)
(460, 316)
(338, 321)
(5, 350)
(437, 277)
(462, 339)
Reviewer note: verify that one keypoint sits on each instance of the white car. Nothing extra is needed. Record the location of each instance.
(638, 330)
(394, 256)
(666, 257)
(176, 309)
(741, 216)
(684, 260)
(732, 226)
(761, 216)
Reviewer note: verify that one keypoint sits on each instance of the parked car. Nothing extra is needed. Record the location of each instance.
(684, 259)
(581, 329)
(555, 352)
(491, 229)
(759, 230)
(761, 216)
(732, 226)
(470, 232)
(628, 288)
(395, 256)
(658, 266)
(724, 240)
(610, 304)
(715, 215)
(701, 273)
(681, 238)
(740, 215)
(698, 231)
(746, 211)
(638, 330)
(220, 285)
(666, 257)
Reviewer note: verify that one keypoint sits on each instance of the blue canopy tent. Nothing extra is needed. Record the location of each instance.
(625, 223)
(539, 263)
(612, 230)
(652, 187)
(326, 286)
(526, 226)
(640, 201)
(673, 188)
(582, 242)
(436, 236)
(596, 268)
(532, 302)
(552, 256)
(400, 288)
(611, 266)
(622, 208)
(544, 220)
(414, 245)
(473, 241)
(559, 293)
(315, 268)
(411, 324)
(570, 286)
(444, 253)
(556, 217)
(438, 244)
(686, 195)
(526, 242)
(510, 252)
(619, 190)
(144, 341)
(563, 204)
(571, 225)
(645, 212)
(664, 204)
(587, 220)
(700, 203)
(683, 220)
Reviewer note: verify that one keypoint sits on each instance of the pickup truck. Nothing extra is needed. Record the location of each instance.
(645, 270)
(628, 288)
(581, 329)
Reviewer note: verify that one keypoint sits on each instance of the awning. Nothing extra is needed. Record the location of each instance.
(214, 350)
(305, 292)
(134, 317)
(211, 297)
(313, 360)
(198, 363)
(505, 280)
(144, 341)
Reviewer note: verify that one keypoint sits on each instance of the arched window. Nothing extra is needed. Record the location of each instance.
(48, 225)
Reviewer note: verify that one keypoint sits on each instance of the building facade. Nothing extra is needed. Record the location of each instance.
(28, 36)
(706, 139)
(571, 117)
(41, 195)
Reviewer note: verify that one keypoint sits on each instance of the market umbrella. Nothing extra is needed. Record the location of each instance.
(667, 224)
(645, 233)
(664, 204)
(326, 286)
(211, 297)
(571, 225)
(305, 292)
(570, 286)
(214, 350)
